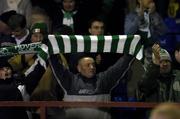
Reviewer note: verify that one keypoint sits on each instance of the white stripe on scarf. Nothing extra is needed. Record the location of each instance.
(121, 43)
(107, 43)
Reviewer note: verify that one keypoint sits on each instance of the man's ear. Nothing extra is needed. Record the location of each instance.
(79, 68)
(176, 53)
(89, 30)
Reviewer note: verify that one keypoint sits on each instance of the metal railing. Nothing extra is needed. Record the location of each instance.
(42, 105)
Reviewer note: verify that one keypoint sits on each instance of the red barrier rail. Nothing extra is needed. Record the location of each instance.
(44, 104)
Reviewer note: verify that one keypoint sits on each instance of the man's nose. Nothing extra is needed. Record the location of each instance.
(92, 66)
(165, 64)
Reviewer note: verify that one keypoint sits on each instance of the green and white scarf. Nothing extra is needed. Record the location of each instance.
(129, 44)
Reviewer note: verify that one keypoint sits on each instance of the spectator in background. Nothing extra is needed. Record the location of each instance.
(43, 87)
(20, 35)
(20, 6)
(160, 83)
(166, 111)
(67, 13)
(176, 54)
(25, 63)
(20, 32)
(9, 92)
(97, 26)
(39, 32)
(144, 20)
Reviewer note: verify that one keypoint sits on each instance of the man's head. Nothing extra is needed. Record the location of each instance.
(69, 5)
(86, 67)
(145, 3)
(38, 31)
(96, 26)
(5, 69)
(177, 52)
(165, 62)
(4, 17)
(17, 23)
(166, 111)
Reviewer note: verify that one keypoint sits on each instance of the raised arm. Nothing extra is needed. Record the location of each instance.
(149, 83)
(61, 73)
(114, 73)
(33, 76)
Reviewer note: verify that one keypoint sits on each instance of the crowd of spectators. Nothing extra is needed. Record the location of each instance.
(90, 76)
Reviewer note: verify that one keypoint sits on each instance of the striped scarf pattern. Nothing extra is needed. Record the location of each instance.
(129, 44)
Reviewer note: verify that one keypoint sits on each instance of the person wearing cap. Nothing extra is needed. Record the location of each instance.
(38, 31)
(21, 63)
(44, 87)
(160, 83)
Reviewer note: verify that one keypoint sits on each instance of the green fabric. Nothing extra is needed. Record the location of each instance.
(69, 16)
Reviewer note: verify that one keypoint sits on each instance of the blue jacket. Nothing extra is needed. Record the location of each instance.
(157, 27)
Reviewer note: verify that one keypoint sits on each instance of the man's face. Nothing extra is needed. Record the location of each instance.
(146, 3)
(86, 67)
(19, 32)
(97, 28)
(36, 37)
(69, 5)
(165, 66)
(177, 56)
(5, 73)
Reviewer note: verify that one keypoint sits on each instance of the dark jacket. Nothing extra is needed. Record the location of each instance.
(157, 88)
(10, 92)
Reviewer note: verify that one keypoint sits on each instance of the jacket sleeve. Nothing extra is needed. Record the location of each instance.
(62, 74)
(149, 82)
(33, 76)
(132, 22)
(114, 73)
